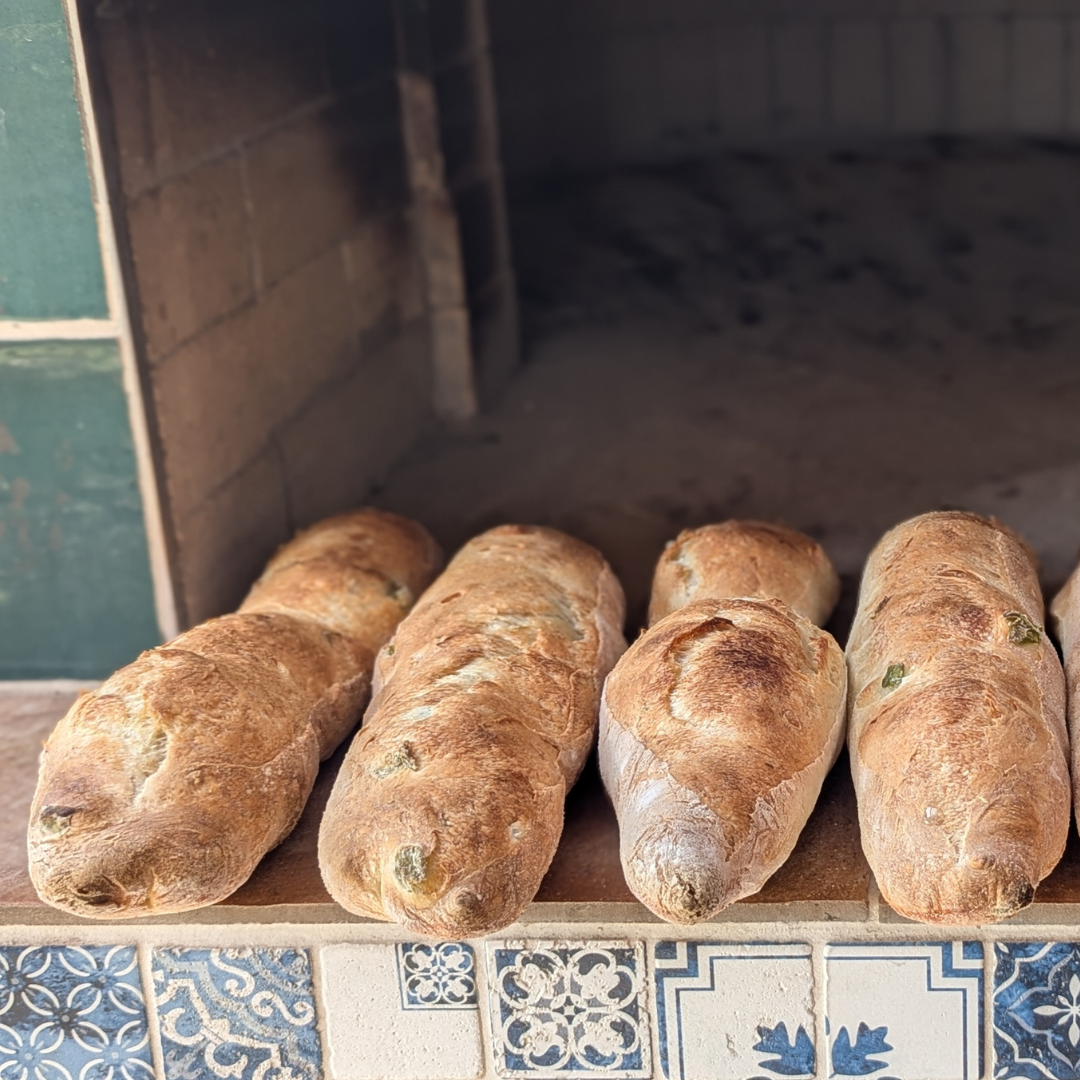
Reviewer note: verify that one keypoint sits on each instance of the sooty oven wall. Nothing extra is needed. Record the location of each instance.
(810, 261)
(275, 256)
(595, 83)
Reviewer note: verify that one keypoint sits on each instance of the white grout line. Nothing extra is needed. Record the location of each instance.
(146, 972)
(989, 962)
(819, 989)
(648, 951)
(58, 330)
(489, 1048)
(319, 1000)
(164, 598)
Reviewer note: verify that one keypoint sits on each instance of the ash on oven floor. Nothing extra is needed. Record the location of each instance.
(837, 340)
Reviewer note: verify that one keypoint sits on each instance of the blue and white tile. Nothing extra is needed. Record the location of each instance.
(241, 1014)
(912, 1011)
(402, 1012)
(568, 1007)
(72, 1014)
(1037, 1010)
(729, 1012)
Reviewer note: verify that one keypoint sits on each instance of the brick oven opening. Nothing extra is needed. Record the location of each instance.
(617, 267)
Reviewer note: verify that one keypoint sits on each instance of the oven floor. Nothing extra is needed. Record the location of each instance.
(834, 340)
(825, 878)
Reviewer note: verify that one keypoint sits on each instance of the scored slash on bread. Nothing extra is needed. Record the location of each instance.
(161, 790)
(449, 805)
(719, 724)
(957, 721)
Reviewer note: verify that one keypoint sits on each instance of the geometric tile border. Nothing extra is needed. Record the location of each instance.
(430, 1010)
(912, 1008)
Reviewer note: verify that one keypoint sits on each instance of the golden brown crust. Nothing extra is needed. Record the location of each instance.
(720, 724)
(160, 791)
(1065, 617)
(355, 573)
(957, 732)
(448, 807)
(745, 558)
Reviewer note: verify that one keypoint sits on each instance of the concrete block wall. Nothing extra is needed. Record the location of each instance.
(590, 83)
(260, 177)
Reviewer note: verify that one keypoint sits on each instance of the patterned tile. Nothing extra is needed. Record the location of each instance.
(913, 1009)
(405, 1012)
(439, 976)
(1037, 1010)
(241, 1014)
(72, 1014)
(727, 1012)
(562, 1007)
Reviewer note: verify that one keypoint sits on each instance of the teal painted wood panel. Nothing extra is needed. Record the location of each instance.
(76, 598)
(50, 262)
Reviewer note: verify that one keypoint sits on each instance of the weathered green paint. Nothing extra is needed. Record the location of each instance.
(50, 262)
(76, 597)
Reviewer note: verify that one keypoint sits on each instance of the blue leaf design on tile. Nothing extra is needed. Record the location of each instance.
(848, 1060)
(792, 1059)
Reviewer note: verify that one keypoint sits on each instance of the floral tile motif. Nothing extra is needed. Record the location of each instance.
(1037, 1010)
(240, 1014)
(72, 1014)
(910, 1011)
(437, 976)
(728, 1012)
(563, 1007)
(404, 1012)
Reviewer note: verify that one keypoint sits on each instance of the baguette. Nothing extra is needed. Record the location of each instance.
(745, 558)
(1065, 618)
(719, 725)
(957, 727)
(449, 805)
(161, 791)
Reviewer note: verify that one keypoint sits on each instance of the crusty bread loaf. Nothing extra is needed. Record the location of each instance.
(161, 790)
(745, 558)
(719, 724)
(449, 805)
(1065, 618)
(957, 725)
